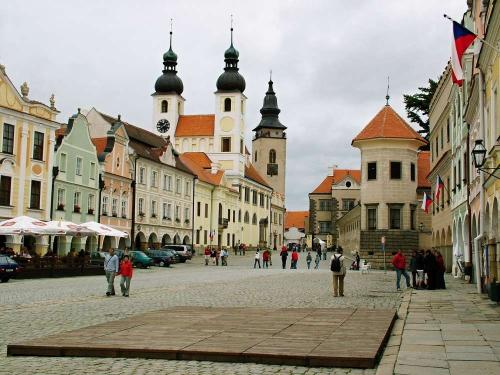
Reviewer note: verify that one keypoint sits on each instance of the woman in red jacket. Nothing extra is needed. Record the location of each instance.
(126, 272)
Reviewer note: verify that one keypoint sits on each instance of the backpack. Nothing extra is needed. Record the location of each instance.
(335, 265)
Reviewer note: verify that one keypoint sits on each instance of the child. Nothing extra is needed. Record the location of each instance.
(126, 273)
(309, 260)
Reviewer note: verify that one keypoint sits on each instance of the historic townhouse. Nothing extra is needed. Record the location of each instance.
(27, 158)
(76, 183)
(116, 192)
(162, 187)
(258, 218)
(440, 149)
(336, 195)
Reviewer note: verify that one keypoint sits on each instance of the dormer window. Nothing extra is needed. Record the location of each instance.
(164, 106)
(227, 105)
(348, 184)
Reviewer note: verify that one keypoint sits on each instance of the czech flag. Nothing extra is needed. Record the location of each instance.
(462, 39)
(426, 203)
(439, 187)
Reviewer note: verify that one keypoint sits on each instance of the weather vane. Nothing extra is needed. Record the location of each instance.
(387, 97)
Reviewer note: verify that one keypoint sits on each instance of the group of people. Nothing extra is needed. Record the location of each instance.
(427, 269)
(114, 267)
(216, 255)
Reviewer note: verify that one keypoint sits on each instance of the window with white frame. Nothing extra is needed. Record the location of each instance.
(90, 203)
(92, 171)
(178, 185)
(114, 204)
(63, 163)
(153, 208)
(188, 188)
(61, 197)
(186, 214)
(154, 175)
(142, 172)
(177, 213)
(169, 211)
(78, 169)
(141, 206)
(167, 182)
(76, 199)
(164, 210)
(124, 208)
(104, 205)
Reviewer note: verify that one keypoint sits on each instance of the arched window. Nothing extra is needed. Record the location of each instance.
(227, 105)
(164, 106)
(254, 219)
(272, 157)
(247, 217)
(220, 211)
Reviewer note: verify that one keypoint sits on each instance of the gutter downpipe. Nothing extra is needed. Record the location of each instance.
(195, 178)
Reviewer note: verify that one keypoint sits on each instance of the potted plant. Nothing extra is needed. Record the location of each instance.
(60, 207)
(186, 221)
(153, 215)
(90, 211)
(115, 214)
(177, 220)
(124, 216)
(76, 208)
(141, 214)
(104, 213)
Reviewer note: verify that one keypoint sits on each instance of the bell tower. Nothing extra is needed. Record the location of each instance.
(269, 143)
(168, 104)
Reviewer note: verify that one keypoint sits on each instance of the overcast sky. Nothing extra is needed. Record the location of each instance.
(330, 62)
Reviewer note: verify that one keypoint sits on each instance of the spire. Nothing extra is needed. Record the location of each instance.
(270, 111)
(169, 81)
(231, 80)
(387, 97)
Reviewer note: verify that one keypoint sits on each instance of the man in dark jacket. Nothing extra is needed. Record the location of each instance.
(399, 263)
(284, 255)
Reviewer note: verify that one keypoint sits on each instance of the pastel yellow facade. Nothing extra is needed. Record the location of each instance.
(27, 149)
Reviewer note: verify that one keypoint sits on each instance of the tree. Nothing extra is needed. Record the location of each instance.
(417, 107)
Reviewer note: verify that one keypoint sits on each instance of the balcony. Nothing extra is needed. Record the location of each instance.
(223, 223)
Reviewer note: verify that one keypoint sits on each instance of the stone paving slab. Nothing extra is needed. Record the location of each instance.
(298, 337)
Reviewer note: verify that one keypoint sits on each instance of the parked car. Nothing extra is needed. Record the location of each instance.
(183, 250)
(8, 268)
(139, 259)
(176, 258)
(161, 258)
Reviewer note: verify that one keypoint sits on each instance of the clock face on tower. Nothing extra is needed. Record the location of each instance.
(163, 125)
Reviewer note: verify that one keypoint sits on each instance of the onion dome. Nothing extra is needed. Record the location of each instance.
(169, 81)
(231, 79)
(270, 111)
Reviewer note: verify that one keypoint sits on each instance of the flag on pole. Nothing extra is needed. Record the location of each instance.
(426, 202)
(462, 39)
(439, 187)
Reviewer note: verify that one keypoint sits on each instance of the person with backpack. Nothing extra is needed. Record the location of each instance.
(125, 271)
(338, 270)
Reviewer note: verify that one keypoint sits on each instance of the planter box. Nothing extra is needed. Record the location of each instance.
(38, 273)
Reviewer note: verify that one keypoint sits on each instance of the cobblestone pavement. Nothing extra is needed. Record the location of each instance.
(35, 308)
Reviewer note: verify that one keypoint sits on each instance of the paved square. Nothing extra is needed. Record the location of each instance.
(342, 337)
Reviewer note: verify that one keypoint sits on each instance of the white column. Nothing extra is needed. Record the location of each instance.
(50, 161)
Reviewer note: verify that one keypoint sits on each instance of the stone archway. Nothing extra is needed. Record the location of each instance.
(122, 244)
(91, 244)
(186, 240)
(107, 243)
(29, 242)
(140, 242)
(448, 250)
(166, 240)
(153, 241)
(177, 240)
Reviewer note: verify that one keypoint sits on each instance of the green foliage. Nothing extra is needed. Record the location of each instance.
(417, 107)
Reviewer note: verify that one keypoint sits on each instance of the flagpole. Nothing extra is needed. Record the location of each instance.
(497, 50)
(444, 185)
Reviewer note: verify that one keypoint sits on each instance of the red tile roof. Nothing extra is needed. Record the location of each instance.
(338, 175)
(423, 167)
(295, 219)
(252, 174)
(195, 125)
(388, 124)
(100, 144)
(200, 164)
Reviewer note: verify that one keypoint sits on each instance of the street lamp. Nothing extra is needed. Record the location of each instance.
(479, 158)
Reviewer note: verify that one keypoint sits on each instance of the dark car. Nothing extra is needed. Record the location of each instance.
(176, 258)
(183, 250)
(161, 258)
(8, 268)
(139, 259)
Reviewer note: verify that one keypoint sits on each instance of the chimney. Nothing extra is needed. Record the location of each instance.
(331, 170)
(214, 168)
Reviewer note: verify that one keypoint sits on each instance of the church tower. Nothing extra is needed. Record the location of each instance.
(229, 127)
(168, 104)
(269, 143)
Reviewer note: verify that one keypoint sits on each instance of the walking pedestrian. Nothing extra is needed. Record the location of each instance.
(338, 271)
(295, 259)
(256, 258)
(399, 263)
(420, 269)
(440, 270)
(265, 259)
(413, 268)
(207, 255)
(309, 260)
(223, 257)
(323, 251)
(430, 269)
(284, 255)
(111, 266)
(212, 255)
(217, 256)
(317, 260)
(357, 260)
(126, 271)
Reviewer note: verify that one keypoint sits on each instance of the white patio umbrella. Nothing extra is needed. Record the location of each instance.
(22, 225)
(104, 230)
(72, 229)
